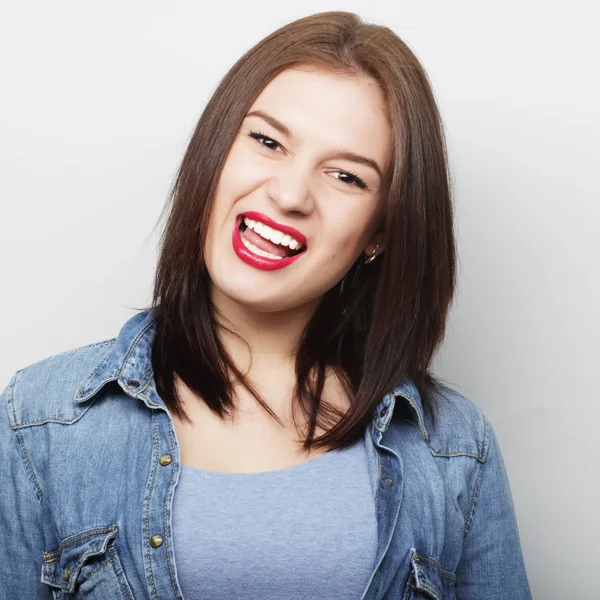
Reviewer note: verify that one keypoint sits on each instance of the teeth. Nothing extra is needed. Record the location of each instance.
(277, 237)
(256, 250)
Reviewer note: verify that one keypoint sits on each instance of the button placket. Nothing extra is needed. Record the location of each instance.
(159, 548)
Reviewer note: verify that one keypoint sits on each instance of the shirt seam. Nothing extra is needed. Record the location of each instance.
(475, 493)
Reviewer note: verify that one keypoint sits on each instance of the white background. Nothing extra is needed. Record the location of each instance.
(99, 100)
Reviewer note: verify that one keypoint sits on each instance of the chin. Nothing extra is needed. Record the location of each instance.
(258, 296)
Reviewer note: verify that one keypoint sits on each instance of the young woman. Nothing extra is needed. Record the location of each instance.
(269, 427)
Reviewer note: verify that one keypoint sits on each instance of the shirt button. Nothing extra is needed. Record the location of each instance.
(133, 383)
(67, 574)
(165, 459)
(156, 540)
(388, 481)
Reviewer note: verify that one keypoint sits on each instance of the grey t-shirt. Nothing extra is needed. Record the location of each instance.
(307, 532)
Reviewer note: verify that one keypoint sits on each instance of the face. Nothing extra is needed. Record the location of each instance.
(298, 200)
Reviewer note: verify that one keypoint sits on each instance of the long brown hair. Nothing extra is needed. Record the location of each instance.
(383, 321)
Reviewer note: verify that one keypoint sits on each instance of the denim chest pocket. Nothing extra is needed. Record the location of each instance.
(86, 565)
(427, 580)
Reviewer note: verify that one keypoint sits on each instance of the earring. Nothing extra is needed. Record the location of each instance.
(373, 255)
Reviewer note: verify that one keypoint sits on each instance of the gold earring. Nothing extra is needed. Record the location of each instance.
(373, 255)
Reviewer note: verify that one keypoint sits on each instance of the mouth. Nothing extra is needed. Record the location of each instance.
(265, 240)
(264, 244)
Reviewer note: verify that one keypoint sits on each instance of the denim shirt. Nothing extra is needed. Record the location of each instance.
(90, 462)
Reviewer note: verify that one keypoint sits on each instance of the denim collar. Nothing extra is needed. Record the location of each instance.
(129, 363)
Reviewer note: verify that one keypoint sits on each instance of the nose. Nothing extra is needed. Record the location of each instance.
(290, 189)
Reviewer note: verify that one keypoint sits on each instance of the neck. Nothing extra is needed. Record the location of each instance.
(262, 337)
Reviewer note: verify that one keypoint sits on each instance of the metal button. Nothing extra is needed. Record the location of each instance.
(383, 412)
(133, 383)
(388, 481)
(67, 574)
(156, 540)
(165, 459)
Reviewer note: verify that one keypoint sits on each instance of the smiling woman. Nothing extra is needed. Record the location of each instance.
(295, 180)
(270, 421)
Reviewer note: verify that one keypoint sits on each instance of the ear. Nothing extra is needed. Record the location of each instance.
(376, 241)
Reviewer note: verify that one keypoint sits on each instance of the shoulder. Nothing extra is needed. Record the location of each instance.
(450, 424)
(45, 390)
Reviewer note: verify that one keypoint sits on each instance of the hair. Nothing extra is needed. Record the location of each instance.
(381, 322)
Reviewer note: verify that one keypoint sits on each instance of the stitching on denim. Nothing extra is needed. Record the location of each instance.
(73, 350)
(54, 420)
(109, 531)
(435, 592)
(148, 501)
(104, 564)
(133, 346)
(434, 452)
(54, 580)
(474, 495)
(125, 589)
(121, 574)
(165, 521)
(380, 464)
(25, 456)
(432, 562)
(50, 557)
(148, 369)
(96, 550)
(29, 467)
(100, 364)
(451, 454)
(410, 585)
(11, 396)
(141, 395)
(61, 582)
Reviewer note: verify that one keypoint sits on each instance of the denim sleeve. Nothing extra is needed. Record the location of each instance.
(492, 565)
(21, 534)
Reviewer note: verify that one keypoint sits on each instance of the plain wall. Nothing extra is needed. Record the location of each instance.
(99, 100)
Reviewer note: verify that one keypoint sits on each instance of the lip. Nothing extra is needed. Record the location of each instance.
(257, 216)
(254, 260)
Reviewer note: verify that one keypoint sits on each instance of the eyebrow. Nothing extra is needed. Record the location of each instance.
(336, 152)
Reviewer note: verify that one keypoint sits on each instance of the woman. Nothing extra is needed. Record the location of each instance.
(268, 427)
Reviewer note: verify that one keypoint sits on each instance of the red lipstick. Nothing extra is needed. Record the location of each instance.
(263, 262)
(256, 216)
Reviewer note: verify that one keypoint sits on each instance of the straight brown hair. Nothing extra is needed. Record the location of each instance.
(381, 322)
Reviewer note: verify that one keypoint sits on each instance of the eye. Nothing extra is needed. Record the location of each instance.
(352, 178)
(260, 136)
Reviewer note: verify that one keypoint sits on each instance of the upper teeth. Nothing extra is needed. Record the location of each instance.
(277, 237)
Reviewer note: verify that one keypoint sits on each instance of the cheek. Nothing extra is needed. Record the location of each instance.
(347, 237)
(238, 178)
(242, 172)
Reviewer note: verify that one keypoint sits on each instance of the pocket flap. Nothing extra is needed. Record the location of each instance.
(62, 567)
(427, 575)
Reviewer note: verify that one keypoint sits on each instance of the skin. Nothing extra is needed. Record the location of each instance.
(294, 181)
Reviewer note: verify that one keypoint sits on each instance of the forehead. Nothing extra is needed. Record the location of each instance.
(329, 109)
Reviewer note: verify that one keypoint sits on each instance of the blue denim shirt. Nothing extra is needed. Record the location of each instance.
(90, 461)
